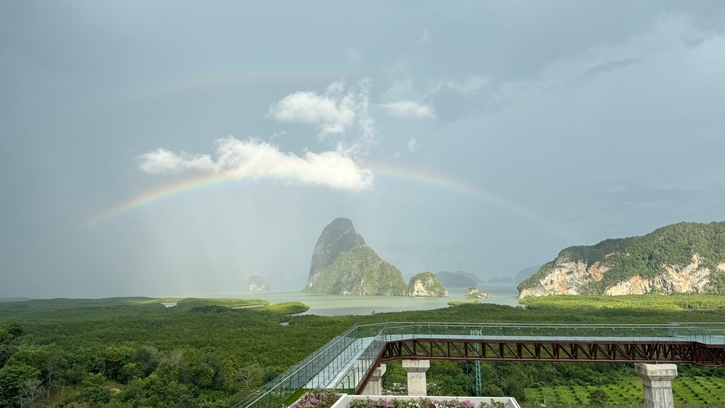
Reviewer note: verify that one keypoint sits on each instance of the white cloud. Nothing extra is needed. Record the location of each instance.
(365, 121)
(256, 158)
(162, 161)
(408, 109)
(333, 112)
(413, 145)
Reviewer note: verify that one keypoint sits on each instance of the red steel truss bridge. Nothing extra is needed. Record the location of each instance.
(348, 361)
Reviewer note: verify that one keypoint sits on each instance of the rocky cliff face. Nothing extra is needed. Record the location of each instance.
(336, 238)
(691, 278)
(257, 284)
(343, 265)
(680, 258)
(425, 285)
(566, 278)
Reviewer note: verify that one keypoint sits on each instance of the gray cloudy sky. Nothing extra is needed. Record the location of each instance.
(175, 148)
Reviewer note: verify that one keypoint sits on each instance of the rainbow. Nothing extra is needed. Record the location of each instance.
(384, 170)
(441, 180)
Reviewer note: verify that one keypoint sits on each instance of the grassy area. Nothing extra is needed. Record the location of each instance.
(461, 303)
(693, 391)
(638, 302)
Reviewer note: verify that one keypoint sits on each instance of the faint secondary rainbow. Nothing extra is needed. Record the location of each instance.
(384, 170)
(441, 180)
(216, 80)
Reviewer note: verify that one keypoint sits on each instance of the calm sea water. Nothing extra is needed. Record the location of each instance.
(337, 305)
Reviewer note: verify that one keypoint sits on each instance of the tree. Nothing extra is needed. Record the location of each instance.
(598, 397)
(134, 392)
(250, 376)
(9, 331)
(228, 374)
(6, 351)
(94, 390)
(114, 358)
(492, 390)
(51, 367)
(12, 379)
(129, 372)
(513, 388)
(30, 391)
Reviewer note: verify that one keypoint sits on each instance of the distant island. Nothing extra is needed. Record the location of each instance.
(257, 284)
(342, 264)
(502, 280)
(474, 293)
(457, 279)
(526, 273)
(678, 258)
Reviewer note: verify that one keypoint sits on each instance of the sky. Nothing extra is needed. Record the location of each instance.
(175, 148)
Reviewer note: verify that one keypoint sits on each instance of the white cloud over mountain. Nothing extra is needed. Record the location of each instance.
(255, 158)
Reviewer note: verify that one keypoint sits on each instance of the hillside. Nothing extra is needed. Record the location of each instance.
(425, 285)
(524, 274)
(455, 280)
(678, 258)
(257, 284)
(343, 265)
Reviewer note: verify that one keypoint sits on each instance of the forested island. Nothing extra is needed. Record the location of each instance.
(134, 352)
(680, 258)
(342, 264)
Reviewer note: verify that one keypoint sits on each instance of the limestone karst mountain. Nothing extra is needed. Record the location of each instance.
(425, 285)
(455, 279)
(678, 258)
(343, 264)
(257, 284)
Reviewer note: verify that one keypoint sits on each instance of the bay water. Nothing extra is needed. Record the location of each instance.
(338, 305)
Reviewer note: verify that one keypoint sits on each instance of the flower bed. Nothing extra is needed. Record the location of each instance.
(404, 401)
(421, 403)
(317, 398)
(320, 398)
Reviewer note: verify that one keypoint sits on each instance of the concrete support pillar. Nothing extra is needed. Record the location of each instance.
(416, 376)
(657, 383)
(375, 385)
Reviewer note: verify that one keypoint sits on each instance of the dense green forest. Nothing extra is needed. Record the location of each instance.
(645, 256)
(134, 352)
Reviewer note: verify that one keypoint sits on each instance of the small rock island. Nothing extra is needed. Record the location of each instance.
(257, 284)
(425, 284)
(473, 293)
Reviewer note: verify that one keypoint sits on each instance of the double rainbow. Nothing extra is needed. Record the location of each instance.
(405, 173)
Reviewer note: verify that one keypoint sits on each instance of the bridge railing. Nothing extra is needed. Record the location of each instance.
(355, 374)
(309, 372)
(710, 333)
(274, 393)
